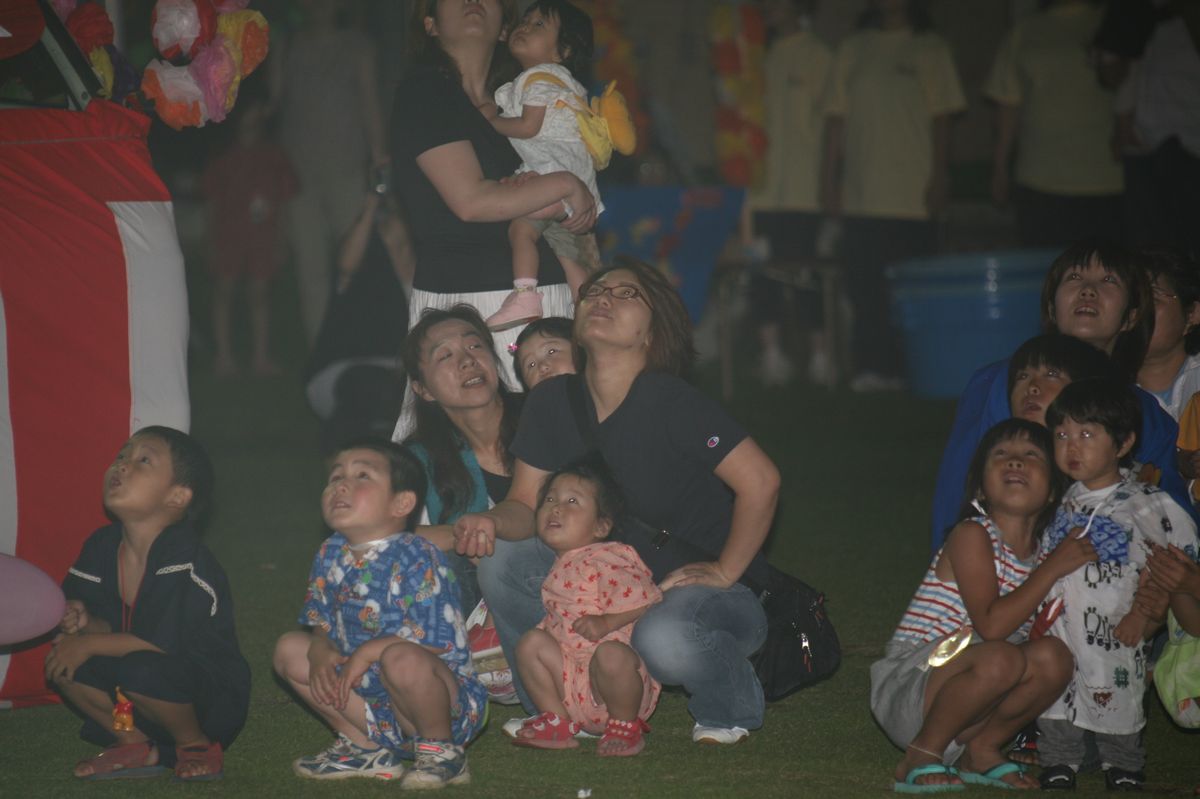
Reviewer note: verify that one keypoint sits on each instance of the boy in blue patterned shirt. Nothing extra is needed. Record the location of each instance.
(385, 663)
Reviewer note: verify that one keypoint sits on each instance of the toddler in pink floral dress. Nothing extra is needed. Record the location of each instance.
(577, 665)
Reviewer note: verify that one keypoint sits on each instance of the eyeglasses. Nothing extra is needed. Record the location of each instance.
(620, 291)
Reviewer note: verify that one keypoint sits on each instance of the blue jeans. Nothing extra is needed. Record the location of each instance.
(700, 638)
(511, 582)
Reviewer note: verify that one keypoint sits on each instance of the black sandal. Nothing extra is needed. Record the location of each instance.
(1058, 778)
(1118, 779)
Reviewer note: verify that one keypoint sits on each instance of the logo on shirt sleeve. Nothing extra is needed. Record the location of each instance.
(713, 441)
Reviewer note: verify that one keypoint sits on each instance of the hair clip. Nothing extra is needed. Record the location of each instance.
(512, 348)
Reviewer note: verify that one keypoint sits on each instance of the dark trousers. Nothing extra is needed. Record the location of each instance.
(169, 678)
(1162, 199)
(869, 245)
(1059, 220)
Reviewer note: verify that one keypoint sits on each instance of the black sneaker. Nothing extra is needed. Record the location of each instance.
(1118, 779)
(1058, 778)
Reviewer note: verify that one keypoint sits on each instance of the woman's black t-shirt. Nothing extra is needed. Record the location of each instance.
(453, 257)
(662, 443)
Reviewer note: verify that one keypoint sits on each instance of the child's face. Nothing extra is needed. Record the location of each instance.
(140, 483)
(1088, 453)
(1171, 320)
(568, 517)
(1090, 305)
(535, 40)
(1016, 477)
(540, 357)
(1033, 391)
(358, 501)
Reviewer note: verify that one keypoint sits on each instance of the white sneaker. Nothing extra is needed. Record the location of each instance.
(718, 735)
(513, 726)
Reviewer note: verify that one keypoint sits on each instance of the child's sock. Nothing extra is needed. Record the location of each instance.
(525, 284)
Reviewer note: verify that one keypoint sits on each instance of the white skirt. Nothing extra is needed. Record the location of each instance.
(556, 301)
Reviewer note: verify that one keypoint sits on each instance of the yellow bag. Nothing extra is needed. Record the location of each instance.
(604, 126)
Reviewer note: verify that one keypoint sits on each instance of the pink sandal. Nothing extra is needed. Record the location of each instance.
(547, 731)
(122, 762)
(209, 756)
(623, 738)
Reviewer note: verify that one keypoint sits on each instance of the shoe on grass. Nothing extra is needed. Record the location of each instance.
(1060, 777)
(438, 764)
(703, 734)
(514, 725)
(1118, 779)
(345, 759)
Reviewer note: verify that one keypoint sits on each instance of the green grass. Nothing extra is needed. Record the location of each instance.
(857, 474)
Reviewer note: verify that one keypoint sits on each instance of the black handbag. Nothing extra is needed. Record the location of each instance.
(802, 646)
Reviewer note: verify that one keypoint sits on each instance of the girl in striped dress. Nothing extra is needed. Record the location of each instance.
(960, 677)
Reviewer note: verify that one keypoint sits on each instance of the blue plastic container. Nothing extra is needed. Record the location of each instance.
(960, 312)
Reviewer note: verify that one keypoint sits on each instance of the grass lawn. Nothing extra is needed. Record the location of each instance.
(858, 472)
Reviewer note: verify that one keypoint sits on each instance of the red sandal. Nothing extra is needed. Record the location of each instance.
(547, 731)
(207, 755)
(122, 762)
(622, 738)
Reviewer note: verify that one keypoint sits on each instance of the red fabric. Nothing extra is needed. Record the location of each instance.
(90, 27)
(24, 22)
(247, 188)
(63, 281)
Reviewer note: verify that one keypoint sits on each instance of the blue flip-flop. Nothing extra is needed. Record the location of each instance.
(910, 784)
(993, 777)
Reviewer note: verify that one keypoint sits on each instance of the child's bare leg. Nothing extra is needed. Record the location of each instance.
(1048, 669)
(958, 696)
(421, 688)
(540, 663)
(523, 238)
(615, 678)
(260, 319)
(222, 324)
(291, 663)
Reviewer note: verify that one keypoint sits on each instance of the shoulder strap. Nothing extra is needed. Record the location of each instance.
(578, 402)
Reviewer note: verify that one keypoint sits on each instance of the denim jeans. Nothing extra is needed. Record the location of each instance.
(697, 637)
(700, 638)
(511, 582)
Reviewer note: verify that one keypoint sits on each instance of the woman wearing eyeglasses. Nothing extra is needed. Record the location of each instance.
(685, 467)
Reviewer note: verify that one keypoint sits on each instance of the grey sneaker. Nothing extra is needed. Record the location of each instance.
(346, 759)
(438, 764)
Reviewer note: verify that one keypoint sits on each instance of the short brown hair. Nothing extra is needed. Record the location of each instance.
(671, 348)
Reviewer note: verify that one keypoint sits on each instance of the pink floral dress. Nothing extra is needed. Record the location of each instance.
(593, 580)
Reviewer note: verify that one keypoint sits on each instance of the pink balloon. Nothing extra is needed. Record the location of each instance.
(30, 602)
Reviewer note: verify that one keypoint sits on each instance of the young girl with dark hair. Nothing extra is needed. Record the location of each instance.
(959, 677)
(577, 664)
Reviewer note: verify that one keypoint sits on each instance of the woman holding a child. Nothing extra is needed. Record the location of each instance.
(450, 162)
(686, 467)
